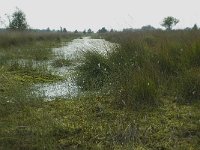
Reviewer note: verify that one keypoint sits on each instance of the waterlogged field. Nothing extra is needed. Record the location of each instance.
(60, 91)
(66, 59)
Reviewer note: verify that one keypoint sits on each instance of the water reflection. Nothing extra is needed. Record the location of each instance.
(60, 89)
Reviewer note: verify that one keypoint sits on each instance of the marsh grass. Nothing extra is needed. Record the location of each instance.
(13, 39)
(145, 67)
(94, 71)
(189, 87)
(23, 62)
(93, 123)
(15, 94)
(62, 63)
(31, 72)
(26, 54)
(133, 102)
(153, 80)
(37, 51)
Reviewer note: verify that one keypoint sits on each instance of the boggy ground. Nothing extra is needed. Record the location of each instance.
(93, 123)
(142, 95)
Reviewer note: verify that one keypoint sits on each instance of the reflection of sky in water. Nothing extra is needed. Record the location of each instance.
(72, 50)
(77, 46)
(59, 89)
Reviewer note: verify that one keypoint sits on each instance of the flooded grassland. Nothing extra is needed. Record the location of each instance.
(42, 106)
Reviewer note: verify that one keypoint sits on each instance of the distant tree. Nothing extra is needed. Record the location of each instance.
(84, 32)
(48, 29)
(169, 22)
(111, 30)
(103, 30)
(89, 31)
(195, 27)
(18, 21)
(76, 31)
(148, 28)
(64, 30)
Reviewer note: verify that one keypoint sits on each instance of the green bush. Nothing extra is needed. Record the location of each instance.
(93, 73)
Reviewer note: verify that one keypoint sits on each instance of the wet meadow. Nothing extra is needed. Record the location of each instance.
(116, 90)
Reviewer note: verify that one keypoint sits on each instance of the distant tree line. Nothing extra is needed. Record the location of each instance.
(17, 22)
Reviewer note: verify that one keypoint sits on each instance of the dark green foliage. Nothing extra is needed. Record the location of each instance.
(93, 73)
(169, 22)
(195, 27)
(130, 82)
(190, 86)
(145, 91)
(169, 60)
(89, 31)
(18, 21)
(194, 55)
(135, 91)
(102, 30)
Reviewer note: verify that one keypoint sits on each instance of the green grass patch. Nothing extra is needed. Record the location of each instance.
(93, 123)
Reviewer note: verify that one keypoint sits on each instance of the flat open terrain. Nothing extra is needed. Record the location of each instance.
(119, 90)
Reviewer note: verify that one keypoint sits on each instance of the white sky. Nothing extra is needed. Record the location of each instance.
(94, 14)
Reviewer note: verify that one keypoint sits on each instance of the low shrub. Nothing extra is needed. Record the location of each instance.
(93, 73)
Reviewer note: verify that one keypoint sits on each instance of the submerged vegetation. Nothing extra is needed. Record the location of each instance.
(143, 94)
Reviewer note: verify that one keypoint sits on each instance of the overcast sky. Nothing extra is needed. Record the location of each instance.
(94, 14)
